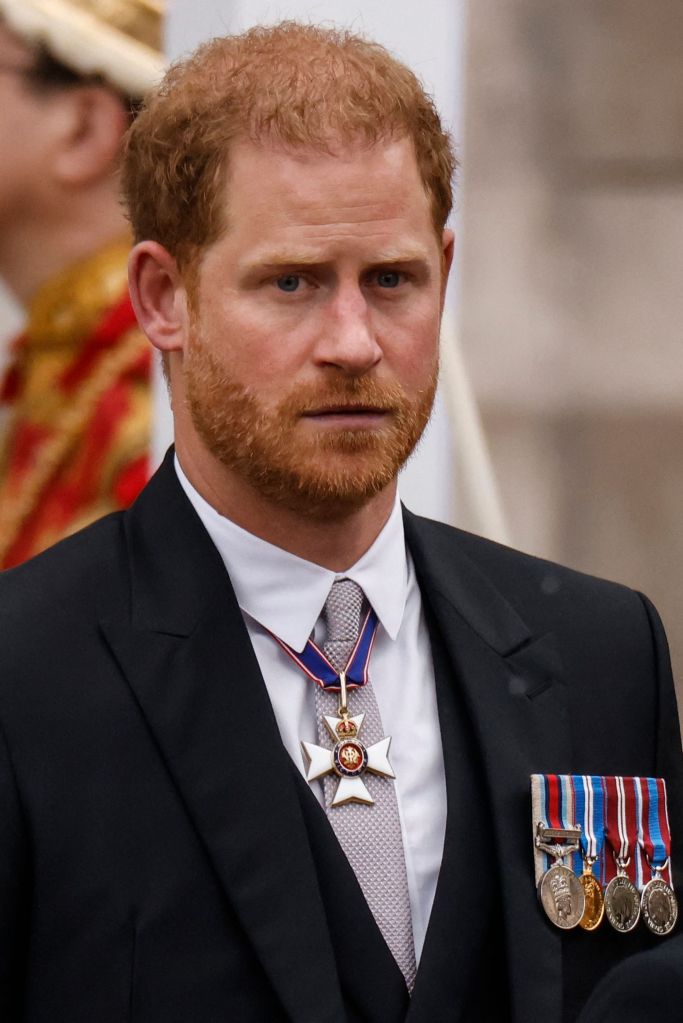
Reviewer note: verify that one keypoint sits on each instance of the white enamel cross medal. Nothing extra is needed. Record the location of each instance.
(349, 759)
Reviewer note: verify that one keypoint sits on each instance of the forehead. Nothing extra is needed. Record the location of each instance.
(354, 187)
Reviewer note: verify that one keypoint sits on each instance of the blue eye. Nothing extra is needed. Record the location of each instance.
(388, 279)
(290, 282)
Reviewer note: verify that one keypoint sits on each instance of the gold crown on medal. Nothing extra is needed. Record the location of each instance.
(121, 40)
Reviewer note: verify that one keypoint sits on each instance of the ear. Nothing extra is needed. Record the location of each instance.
(91, 128)
(447, 250)
(158, 295)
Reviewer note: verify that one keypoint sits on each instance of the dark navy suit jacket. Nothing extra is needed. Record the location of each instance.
(161, 858)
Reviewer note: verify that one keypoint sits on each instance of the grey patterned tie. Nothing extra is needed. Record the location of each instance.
(370, 835)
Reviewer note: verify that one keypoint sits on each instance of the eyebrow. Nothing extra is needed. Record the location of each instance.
(278, 258)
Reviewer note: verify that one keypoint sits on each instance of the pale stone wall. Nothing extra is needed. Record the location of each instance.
(572, 302)
(11, 317)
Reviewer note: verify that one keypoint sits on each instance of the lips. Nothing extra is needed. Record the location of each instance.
(347, 410)
(345, 417)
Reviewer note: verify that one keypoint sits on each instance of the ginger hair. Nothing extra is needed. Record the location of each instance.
(293, 85)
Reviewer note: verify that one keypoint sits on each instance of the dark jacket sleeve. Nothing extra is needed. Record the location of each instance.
(669, 750)
(13, 888)
(644, 987)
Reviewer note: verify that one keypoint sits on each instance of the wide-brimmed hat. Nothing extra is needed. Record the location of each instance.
(121, 40)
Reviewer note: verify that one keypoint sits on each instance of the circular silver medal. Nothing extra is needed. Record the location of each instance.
(660, 907)
(622, 903)
(562, 896)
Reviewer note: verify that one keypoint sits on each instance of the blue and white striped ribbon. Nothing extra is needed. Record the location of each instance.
(590, 814)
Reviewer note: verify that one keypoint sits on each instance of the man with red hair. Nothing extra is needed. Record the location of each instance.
(266, 738)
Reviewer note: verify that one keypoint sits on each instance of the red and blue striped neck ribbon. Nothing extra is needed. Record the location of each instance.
(314, 663)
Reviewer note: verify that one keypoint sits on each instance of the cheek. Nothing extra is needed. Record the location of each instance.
(250, 344)
(24, 131)
(412, 350)
(421, 368)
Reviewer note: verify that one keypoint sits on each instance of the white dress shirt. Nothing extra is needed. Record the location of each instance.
(281, 593)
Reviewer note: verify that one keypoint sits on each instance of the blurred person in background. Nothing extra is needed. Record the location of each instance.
(77, 390)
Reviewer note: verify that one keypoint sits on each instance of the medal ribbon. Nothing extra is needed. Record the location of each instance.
(551, 805)
(638, 848)
(557, 806)
(314, 663)
(621, 825)
(653, 832)
(590, 814)
(569, 819)
(552, 801)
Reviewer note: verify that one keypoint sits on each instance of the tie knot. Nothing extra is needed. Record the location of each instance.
(342, 616)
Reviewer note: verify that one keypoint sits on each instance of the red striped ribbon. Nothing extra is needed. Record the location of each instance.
(621, 825)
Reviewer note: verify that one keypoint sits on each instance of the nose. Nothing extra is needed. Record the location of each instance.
(347, 338)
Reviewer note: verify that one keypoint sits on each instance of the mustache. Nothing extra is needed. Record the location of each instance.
(357, 391)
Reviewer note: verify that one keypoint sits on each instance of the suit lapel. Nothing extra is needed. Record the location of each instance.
(515, 705)
(186, 654)
(455, 936)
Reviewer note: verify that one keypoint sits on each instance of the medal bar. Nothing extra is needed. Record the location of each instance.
(602, 849)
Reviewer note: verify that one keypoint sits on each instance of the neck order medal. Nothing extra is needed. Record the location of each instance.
(349, 758)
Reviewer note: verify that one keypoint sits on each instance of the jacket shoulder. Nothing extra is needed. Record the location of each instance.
(70, 581)
(497, 556)
(527, 581)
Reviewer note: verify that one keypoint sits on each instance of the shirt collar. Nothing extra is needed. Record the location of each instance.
(284, 593)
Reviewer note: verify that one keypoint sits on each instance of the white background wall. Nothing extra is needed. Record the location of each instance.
(11, 319)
